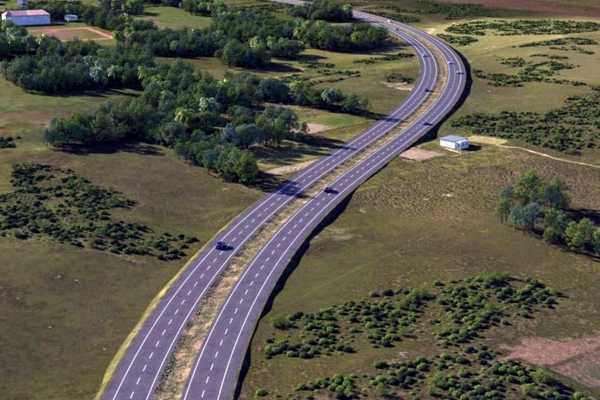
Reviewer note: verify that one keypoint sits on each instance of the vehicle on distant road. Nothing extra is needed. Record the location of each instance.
(222, 246)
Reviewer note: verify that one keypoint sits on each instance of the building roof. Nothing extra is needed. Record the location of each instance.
(453, 138)
(27, 13)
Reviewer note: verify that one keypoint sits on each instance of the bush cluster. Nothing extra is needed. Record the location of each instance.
(535, 205)
(524, 27)
(570, 129)
(387, 57)
(7, 142)
(383, 321)
(459, 40)
(343, 387)
(475, 304)
(67, 208)
(530, 71)
(565, 44)
(471, 373)
(397, 77)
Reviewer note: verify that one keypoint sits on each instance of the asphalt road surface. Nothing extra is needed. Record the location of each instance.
(217, 367)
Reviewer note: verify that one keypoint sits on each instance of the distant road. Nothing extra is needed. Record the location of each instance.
(218, 365)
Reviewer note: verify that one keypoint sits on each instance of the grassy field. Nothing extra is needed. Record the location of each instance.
(172, 17)
(67, 310)
(418, 222)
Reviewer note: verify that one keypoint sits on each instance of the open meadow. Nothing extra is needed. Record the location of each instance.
(66, 310)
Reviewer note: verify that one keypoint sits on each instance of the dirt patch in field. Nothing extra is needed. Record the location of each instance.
(540, 6)
(419, 154)
(65, 34)
(487, 140)
(316, 128)
(399, 85)
(578, 359)
(290, 169)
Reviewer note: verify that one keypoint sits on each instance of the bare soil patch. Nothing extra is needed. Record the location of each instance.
(487, 140)
(66, 34)
(399, 86)
(578, 359)
(540, 6)
(419, 154)
(290, 169)
(316, 128)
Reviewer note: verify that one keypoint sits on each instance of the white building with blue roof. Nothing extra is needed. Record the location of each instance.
(453, 142)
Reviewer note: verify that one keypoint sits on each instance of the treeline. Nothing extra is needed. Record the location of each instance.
(355, 37)
(327, 10)
(533, 204)
(64, 67)
(571, 129)
(209, 122)
(15, 41)
(453, 11)
(107, 14)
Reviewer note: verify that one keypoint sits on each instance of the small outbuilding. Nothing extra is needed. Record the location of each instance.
(27, 17)
(71, 18)
(453, 142)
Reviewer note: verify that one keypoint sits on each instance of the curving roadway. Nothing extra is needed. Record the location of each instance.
(216, 370)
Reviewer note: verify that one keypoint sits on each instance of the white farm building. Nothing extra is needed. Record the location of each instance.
(453, 142)
(27, 17)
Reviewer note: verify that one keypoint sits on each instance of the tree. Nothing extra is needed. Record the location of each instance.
(505, 203)
(528, 188)
(554, 195)
(579, 234)
(596, 240)
(331, 97)
(555, 223)
(524, 217)
(248, 134)
(246, 168)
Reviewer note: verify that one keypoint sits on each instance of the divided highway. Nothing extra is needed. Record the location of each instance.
(218, 365)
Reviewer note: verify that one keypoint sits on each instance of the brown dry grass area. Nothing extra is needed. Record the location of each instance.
(578, 359)
(65, 34)
(565, 8)
(423, 190)
(417, 154)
